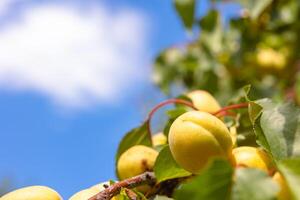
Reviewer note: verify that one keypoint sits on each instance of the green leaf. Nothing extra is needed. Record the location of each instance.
(254, 184)
(211, 31)
(176, 112)
(290, 169)
(173, 114)
(166, 168)
(213, 183)
(280, 125)
(186, 11)
(255, 7)
(277, 127)
(137, 136)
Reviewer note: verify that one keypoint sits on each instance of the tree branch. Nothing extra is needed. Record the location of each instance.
(113, 190)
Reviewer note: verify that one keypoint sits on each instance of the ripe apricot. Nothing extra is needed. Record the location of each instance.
(159, 139)
(204, 101)
(252, 157)
(284, 192)
(195, 137)
(32, 193)
(135, 161)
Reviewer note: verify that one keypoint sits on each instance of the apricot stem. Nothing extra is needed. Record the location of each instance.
(164, 103)
(220, 113)
(223, 111)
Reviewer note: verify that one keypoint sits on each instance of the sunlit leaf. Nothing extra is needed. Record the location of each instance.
(166, 168)
(254, 184)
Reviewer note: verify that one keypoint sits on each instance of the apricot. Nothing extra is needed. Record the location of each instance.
(32, 193)
(88, 193)
(284, 193)
(233, 134)
(196, 137)
(204, 101)
(252, 157)
(269, 58)
(136, 160)
(159, 139)
(84, 194)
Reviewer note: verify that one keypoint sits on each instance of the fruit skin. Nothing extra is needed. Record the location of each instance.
(88, 193)
(233, 135)
(83, 194)
(252, 157)
(284, 193)
(159, 139)
(195, 137)
(204, 101)
(32, 193)
(100, 186)
(135, 161)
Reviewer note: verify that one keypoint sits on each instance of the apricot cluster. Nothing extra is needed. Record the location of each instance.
(195, 138)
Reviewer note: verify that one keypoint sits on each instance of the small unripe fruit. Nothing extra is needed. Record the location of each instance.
(204, 101)
(196, 137)
(136, 160)
(252, 157)
(284, 192)
(159, 139)
(32, 193)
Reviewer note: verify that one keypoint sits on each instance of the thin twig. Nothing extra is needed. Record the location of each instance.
(113, 190)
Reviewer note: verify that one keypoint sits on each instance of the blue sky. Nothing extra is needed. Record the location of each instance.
(74, 77)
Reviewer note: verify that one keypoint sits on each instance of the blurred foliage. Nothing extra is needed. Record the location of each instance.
(260, 46)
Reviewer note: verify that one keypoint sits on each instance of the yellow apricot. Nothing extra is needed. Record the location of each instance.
(88, 193)
(269, 58)
(195, 137)
(100, 186)
(204, 101)
(32, 193)
(233, 134)
(159, 139)
(284, 193)
(252, 157)
(135, 161)
(84, 194)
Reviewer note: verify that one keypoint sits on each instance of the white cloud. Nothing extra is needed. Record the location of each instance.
(73, 56)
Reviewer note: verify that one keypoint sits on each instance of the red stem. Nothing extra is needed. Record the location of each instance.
(226, 113)
(220, 113)
(158, 106)
(231, 107)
